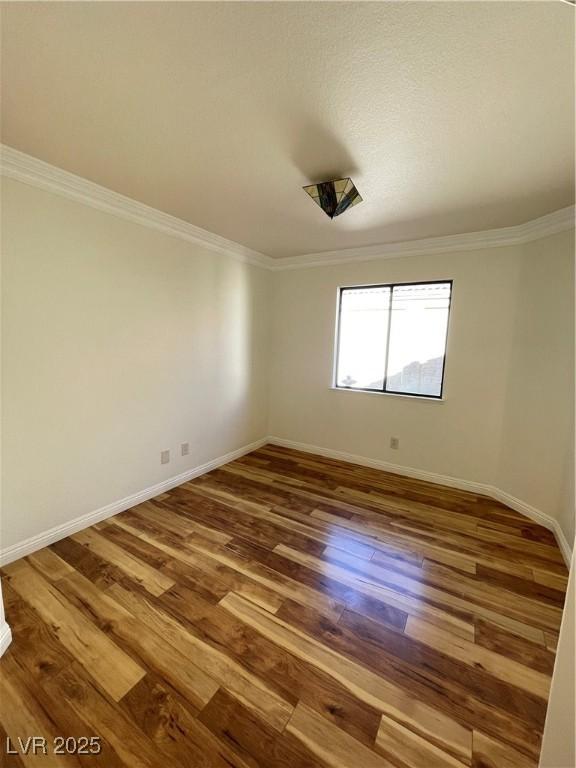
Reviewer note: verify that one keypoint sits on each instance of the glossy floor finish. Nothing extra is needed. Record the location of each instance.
(289, 610)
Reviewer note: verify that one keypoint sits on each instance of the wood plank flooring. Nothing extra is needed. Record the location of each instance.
(288, 610)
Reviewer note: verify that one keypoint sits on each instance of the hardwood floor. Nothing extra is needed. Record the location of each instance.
(288, 610)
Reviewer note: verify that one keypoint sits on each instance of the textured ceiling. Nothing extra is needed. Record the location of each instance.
(450, 117)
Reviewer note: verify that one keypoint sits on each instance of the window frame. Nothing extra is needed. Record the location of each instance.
(385, 391)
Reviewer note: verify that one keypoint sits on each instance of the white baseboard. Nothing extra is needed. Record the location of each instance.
(397, 469)
(34, 543)
(452, 482)
(539, 517)
(5, 638)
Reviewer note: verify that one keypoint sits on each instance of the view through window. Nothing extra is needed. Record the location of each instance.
(392, 338)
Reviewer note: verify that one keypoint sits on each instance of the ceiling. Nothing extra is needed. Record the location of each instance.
(450, 117)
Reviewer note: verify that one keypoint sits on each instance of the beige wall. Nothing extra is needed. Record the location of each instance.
(496, 377)
(457, 437)
(559, 742)
(5, 631)
(537, 445)
(119, 342)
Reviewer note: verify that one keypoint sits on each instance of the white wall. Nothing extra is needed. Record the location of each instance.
(119, 342)
(496, 380)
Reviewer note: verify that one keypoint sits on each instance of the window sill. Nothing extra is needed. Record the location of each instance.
(421, 398)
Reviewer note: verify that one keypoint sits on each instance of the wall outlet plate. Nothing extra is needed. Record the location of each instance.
(185, 449)
(164, 457)
(395, 443)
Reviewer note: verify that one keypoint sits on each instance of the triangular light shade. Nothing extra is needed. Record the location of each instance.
(334, 197)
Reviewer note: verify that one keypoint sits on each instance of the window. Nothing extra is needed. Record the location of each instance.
(392, 338)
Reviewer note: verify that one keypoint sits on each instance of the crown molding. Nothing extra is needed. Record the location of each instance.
(552, 223)
(29, 170)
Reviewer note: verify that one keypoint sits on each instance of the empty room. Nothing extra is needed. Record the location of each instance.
(287, 391)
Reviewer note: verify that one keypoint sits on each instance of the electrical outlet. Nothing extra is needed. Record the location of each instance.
(185, 449)
(164, 457)
(395, 443)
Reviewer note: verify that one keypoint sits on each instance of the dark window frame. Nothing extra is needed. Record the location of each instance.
(391, 286)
